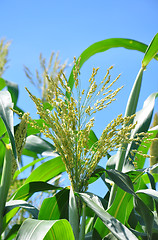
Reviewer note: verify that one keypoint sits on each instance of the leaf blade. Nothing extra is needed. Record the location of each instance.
(151, 51)
(37, 229)
(105, 45)
(117, 228)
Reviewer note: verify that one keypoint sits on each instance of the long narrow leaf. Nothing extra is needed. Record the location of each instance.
(146, 214)
(134, 95)
(150, 192)
(55, 207)
(28, 189)
(14, 91)
(12, 232)
(151, 51)
(124, 182)
(5, 182)
(22, 204)
(7, 116)
(105, 45)
(33, 229)
(119, 230)
(47, 170)
(2, 83)
(39, 145)
(27, 166)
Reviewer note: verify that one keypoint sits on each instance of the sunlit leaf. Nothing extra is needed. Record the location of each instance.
(47, 170)
(146, 214)
(55, 207)
(22, 204)
(28, 189)
(122, 180)
(14, 91)
(151, 51)
(12, 232)
(33, 229)
(7, 116)
(119, 230)
(2, 83)
(150, 192)
(40, 146)
(105, 45)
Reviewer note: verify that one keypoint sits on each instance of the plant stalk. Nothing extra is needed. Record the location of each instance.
(83, 223)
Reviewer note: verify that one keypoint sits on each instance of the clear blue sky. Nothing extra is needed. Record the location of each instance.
(69, 27)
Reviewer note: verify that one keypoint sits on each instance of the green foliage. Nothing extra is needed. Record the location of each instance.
(129, 209)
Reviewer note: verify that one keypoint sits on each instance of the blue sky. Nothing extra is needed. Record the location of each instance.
(69, 27)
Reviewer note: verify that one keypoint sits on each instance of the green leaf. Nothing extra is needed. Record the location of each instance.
(33, 229)
(151, 51)
(26, 191)
(134, 95)
(21, 204)
(146, 214)
(13, 232)
(149, 202)
(55, 207)
(73, 214)
(14, 91)
(2, 153)
(47, 170)
(144, 116)
(116, 210)
(150, 192)
(119, 230)
(122, 180)
(7, 116)
(140, 159)
(143, 119)
(122, 198)
(2, 83)
(8, 217)
(5, 183)
(47, 105)
(5, 138)
(147, 180)
(40, 146)
(29, 153)
(111, 163)
(105, 45)
(3, 132)
(152, 181)
(32, 130)
(92, 139)
(130, 110)
(97, 173)
(27, 166)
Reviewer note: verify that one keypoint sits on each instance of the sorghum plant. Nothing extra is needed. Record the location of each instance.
(67, 118)
(69, 121)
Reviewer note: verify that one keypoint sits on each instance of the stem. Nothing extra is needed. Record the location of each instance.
(5, 183)
(130, 110)
(83, 223)
(74, 213)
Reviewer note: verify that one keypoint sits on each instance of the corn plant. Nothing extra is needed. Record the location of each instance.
(129, 208)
